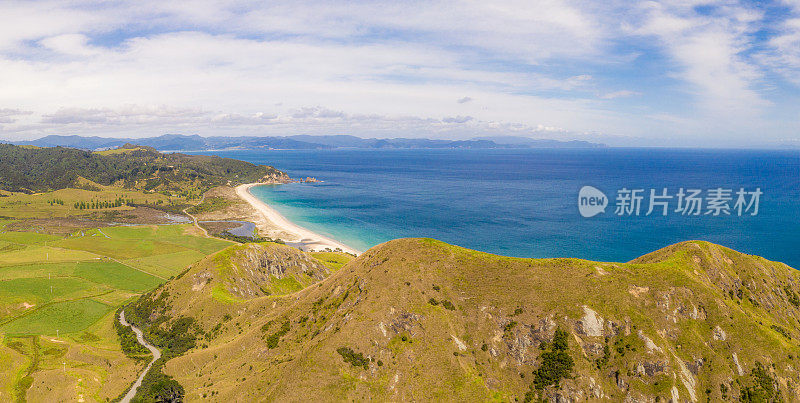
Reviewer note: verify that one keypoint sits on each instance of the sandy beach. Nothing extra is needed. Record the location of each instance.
(306, 239)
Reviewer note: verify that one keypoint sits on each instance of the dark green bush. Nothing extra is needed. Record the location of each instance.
(355, 359)
(273, 339)
(556, 363)
(763, 388)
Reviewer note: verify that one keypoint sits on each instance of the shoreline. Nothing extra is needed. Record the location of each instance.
(306, 239)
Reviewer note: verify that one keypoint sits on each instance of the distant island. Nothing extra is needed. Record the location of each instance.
(178, 142)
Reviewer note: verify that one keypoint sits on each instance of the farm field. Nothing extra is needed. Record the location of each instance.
(40, 205)
(59, 295)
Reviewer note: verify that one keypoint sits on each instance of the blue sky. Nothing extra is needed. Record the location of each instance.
(660, 73)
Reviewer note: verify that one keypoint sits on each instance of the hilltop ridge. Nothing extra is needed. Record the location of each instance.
(418, 319)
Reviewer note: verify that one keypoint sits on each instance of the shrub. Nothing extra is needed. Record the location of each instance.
(355, 359)
(509, 326)
(127, 340)
(782, 331)
(159, 387)
(555, 363)
(763, 388)
(793, 299)
(602, 361)
(273, 339)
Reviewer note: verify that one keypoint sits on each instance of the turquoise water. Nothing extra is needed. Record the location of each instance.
(524, 202)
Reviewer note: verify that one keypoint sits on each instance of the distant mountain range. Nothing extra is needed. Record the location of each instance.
(177, 142)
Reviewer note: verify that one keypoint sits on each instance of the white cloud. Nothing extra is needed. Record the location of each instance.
(709, 52)
(8, 115)
(130, 114)
(457, 119)
(784, 53)
(619, 94)
(69, 44)
(366, 68)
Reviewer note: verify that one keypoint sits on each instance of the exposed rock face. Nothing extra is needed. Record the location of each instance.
(591, 324)
(649, 344)
(259, 268)
(651, 368)
(719, 334)
(405, 322)
(275, 176)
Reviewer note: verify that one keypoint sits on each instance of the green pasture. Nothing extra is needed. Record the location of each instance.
(166, 265)
(28, 238)
(37, 205)
(19, 254)
(91, 273)
(135, 242)
(42, 290)
(64, 317)
(107, 272)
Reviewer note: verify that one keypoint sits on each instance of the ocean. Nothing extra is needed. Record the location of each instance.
(524, 202)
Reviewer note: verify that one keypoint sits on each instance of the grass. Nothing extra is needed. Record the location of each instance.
(28, 238)
(166, 265)
(42, 254)
(105, 272)
(93, 272)
(161, 250)
(119, 248)
(115, 275)
(221, 294)
(211, 204)
(333, 260)
(96, 368)
(286, 285)
(23, 206)
(41, 290)
(65, 317)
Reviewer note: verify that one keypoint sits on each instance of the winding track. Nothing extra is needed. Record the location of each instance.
(156, 355)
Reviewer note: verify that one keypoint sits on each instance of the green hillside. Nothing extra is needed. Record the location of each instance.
(417, 319)
(34, 169)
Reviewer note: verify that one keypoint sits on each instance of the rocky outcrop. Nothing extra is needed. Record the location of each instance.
(254, 270)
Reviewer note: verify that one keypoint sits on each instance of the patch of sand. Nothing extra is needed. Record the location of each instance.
(309, 240)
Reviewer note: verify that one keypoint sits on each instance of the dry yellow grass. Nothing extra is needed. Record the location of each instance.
(439, 322)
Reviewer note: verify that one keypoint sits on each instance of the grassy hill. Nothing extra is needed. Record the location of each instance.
(34, 169)
(417, 319)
